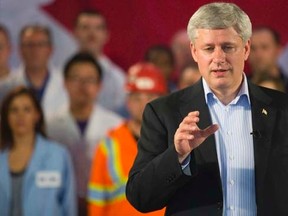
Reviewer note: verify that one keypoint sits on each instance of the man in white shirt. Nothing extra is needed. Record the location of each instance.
(36, 47)
(83, 123)
(220, 146)
(92, 34)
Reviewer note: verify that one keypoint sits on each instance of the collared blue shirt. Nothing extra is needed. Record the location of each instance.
(235, 152)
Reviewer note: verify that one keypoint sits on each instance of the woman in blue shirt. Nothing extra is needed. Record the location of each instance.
(36, 174)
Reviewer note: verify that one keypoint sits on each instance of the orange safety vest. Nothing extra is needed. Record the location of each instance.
(112, 161)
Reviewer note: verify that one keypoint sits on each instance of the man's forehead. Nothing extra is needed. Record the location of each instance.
(207, 35)
(91, 18)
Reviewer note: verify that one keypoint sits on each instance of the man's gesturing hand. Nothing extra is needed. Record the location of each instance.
(189, 136)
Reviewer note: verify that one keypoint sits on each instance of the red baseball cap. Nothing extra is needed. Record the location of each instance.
(145, 77)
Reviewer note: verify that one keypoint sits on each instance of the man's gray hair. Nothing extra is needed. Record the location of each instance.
(220, 15)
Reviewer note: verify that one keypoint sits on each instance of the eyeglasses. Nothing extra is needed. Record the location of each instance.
(82, 80)
(39, 44)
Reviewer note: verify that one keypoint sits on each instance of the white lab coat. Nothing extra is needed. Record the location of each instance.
(55, 95)
(112, 94)
(64, 129)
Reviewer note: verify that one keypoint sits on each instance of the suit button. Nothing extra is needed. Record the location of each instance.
(170, 178)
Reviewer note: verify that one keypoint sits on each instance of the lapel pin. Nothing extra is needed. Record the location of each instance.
(264, 111)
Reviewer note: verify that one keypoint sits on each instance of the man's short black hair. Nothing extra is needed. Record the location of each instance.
(90, 12)
(82, 57)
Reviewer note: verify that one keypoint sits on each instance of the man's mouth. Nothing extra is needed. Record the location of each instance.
(219, 72)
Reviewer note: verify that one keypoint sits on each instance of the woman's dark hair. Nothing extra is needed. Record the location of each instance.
(6, 138)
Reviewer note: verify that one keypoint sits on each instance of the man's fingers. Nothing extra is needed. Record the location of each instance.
(183, 133)
(190, 120)
(185, 136)
(188, 128)
(194, 113)
(210, 130)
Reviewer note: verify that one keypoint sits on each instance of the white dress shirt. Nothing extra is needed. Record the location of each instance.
(235, 151)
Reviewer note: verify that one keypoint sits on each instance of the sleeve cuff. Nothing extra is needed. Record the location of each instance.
(185, 166)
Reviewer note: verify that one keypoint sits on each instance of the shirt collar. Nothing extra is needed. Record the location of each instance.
(242, 92)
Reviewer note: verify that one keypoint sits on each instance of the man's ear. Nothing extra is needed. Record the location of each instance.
(247, 48)
(193, 52)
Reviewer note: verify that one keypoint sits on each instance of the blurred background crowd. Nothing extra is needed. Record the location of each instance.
(75, 77)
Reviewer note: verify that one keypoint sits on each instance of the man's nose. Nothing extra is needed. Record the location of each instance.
(219, 55)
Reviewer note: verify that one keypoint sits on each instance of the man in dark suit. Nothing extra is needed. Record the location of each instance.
(219, 147)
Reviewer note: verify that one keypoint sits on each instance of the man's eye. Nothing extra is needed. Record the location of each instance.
(228, 48)
(209, 48)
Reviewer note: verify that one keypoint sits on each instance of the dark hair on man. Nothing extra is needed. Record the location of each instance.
(6, 138)
(90, 12)
(159, 49)
(5, 31)
(37, 28)
(82, 57)
(275, 34)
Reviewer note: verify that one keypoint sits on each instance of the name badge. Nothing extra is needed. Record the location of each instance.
(48, 179)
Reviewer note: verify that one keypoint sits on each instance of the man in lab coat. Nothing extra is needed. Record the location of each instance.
(35, 46)
(81, 125)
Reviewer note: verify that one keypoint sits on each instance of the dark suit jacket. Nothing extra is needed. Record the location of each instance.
(156, 179)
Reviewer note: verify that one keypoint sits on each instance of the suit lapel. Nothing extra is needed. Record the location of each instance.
(263, 121)
(205, 155)
(193, 99)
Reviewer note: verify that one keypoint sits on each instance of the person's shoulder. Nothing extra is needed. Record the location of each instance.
(114, 134)
(53, 153)
(278, 97)
(63, 112)
(55, 69)
(58, 118)
(272, 96)
(119, 130)
(274, 92)
(173, 98)
(106, 113)
(55, 75)
(107, 63)
(14, 78)
(52, 147)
